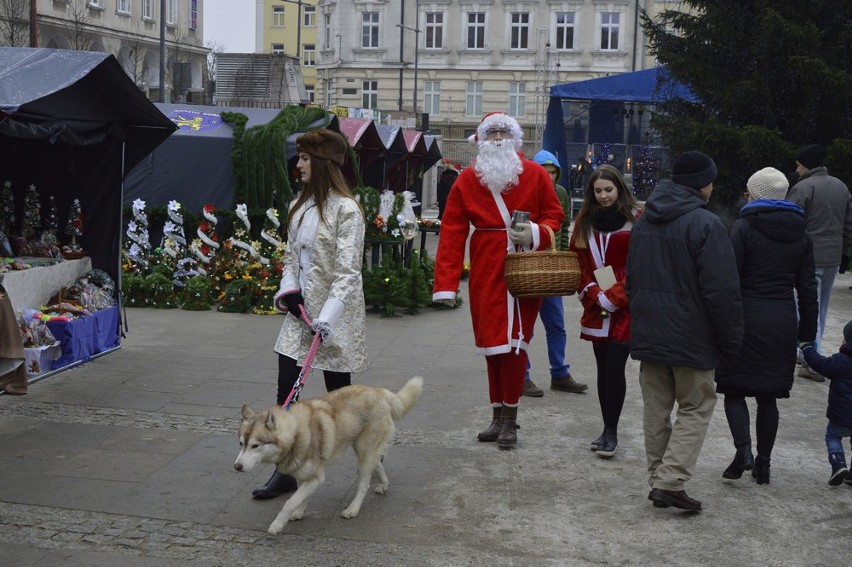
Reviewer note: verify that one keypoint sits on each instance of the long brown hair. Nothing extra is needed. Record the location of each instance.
(325, 178)
(626, 203)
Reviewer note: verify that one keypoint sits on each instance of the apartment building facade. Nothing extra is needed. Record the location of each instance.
(457, 59)
(129, 30)
(289, 27)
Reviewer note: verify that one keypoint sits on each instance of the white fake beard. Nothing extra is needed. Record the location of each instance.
(498, 164)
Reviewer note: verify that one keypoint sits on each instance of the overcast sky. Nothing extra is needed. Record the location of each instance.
(230, 23)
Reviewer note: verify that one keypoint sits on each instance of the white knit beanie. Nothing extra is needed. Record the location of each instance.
(768, 183)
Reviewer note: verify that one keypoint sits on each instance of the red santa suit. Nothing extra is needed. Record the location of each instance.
(494, 312)
(604, 249)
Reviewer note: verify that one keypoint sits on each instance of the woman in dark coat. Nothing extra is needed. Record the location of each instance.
(774, 257)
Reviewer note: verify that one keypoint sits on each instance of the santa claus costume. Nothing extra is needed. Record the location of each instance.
(484, 196)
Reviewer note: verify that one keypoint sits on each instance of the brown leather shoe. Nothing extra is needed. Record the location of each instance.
(677, 498)
(568, 384)
(531, 390)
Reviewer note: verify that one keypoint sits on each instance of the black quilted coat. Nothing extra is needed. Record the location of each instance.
(774, 257)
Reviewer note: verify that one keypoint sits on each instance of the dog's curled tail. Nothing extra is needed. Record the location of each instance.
(406, 397)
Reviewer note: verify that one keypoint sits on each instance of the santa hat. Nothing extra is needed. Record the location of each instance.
(497, 119)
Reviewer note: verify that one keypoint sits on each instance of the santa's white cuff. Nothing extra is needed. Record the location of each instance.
(439, 295)
(606, 303)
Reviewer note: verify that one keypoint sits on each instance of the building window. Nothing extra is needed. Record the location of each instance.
(311, 93)
(326, 23)
(329, 92)
(309, 55)
(147, 9)
(475, 30)
(171, 12)
(95, 3)
(609, 31)
(370, 94)
(309, 16)
(518, 99)
(369, 29)
(565, 30)
(122, 6)
(473, 99)
(278, 16)
(434, 30)
(432, 97)
(277, 48)
(520, 33)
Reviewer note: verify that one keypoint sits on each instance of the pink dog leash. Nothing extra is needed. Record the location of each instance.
(306, 367)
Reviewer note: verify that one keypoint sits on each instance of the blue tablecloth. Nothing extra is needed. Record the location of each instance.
(85, 337)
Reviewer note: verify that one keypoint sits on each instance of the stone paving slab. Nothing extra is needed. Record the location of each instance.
(128, 459)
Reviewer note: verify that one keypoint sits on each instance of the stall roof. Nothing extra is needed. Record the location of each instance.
(647, 86)
(393, 140)
(78, 97)
(364, 137)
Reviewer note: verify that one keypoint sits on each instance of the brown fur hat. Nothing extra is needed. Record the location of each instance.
(324, 144)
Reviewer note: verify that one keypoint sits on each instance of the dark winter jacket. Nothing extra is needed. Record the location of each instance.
(838, 369)
(774, 257)
(682, 283)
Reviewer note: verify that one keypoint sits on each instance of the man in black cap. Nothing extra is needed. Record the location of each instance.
(828, 221)
(685, 313)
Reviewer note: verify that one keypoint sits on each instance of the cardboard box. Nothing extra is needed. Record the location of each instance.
(39, 360)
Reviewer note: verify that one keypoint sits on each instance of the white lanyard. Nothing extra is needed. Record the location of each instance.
(597, 246)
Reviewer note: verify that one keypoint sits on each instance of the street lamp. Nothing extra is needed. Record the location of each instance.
(417, 31)
(299, 4)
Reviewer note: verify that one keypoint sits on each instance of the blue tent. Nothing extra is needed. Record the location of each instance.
(646, 87)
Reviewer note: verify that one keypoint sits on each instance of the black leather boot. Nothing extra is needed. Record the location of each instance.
(508, 436)
(490, 435)
(761, 470)
(277, 485)
(594, 444)
(743, 461)
(606, 448)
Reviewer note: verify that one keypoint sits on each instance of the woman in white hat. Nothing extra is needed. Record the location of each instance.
(774, 257)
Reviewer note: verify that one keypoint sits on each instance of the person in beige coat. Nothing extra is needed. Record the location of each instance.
(321, 277)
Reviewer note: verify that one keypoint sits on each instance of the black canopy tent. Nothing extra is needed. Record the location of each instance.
(75, 125)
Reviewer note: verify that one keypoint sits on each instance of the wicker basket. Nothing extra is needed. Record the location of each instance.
(542, 273)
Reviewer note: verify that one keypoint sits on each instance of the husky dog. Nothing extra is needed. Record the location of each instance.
(302, 440)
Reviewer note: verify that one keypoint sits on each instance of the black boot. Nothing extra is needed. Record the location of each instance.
(609, 443)
(743, 461)
(594, 444)
(490, 435)
(761, 470)
(838, 469)
(277, 485)
(508, 436)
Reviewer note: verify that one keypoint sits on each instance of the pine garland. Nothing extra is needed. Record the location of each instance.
(259, 154)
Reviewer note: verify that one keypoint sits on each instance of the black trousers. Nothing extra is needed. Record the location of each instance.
(288, 373)
(766, 425)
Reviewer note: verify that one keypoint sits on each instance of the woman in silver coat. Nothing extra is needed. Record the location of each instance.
(322, 276)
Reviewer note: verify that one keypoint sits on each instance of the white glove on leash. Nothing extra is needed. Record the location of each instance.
(522, 234)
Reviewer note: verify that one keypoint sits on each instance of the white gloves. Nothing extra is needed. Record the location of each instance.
(522, 234)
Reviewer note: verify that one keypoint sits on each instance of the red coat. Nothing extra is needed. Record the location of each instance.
(616, 326)
(491, 306)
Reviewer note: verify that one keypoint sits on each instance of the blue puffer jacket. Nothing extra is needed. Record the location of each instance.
(838, 369)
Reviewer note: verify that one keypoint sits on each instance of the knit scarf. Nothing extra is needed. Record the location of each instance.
(607, 219)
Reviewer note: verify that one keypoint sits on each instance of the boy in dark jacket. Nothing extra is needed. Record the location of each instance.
(838, 369)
